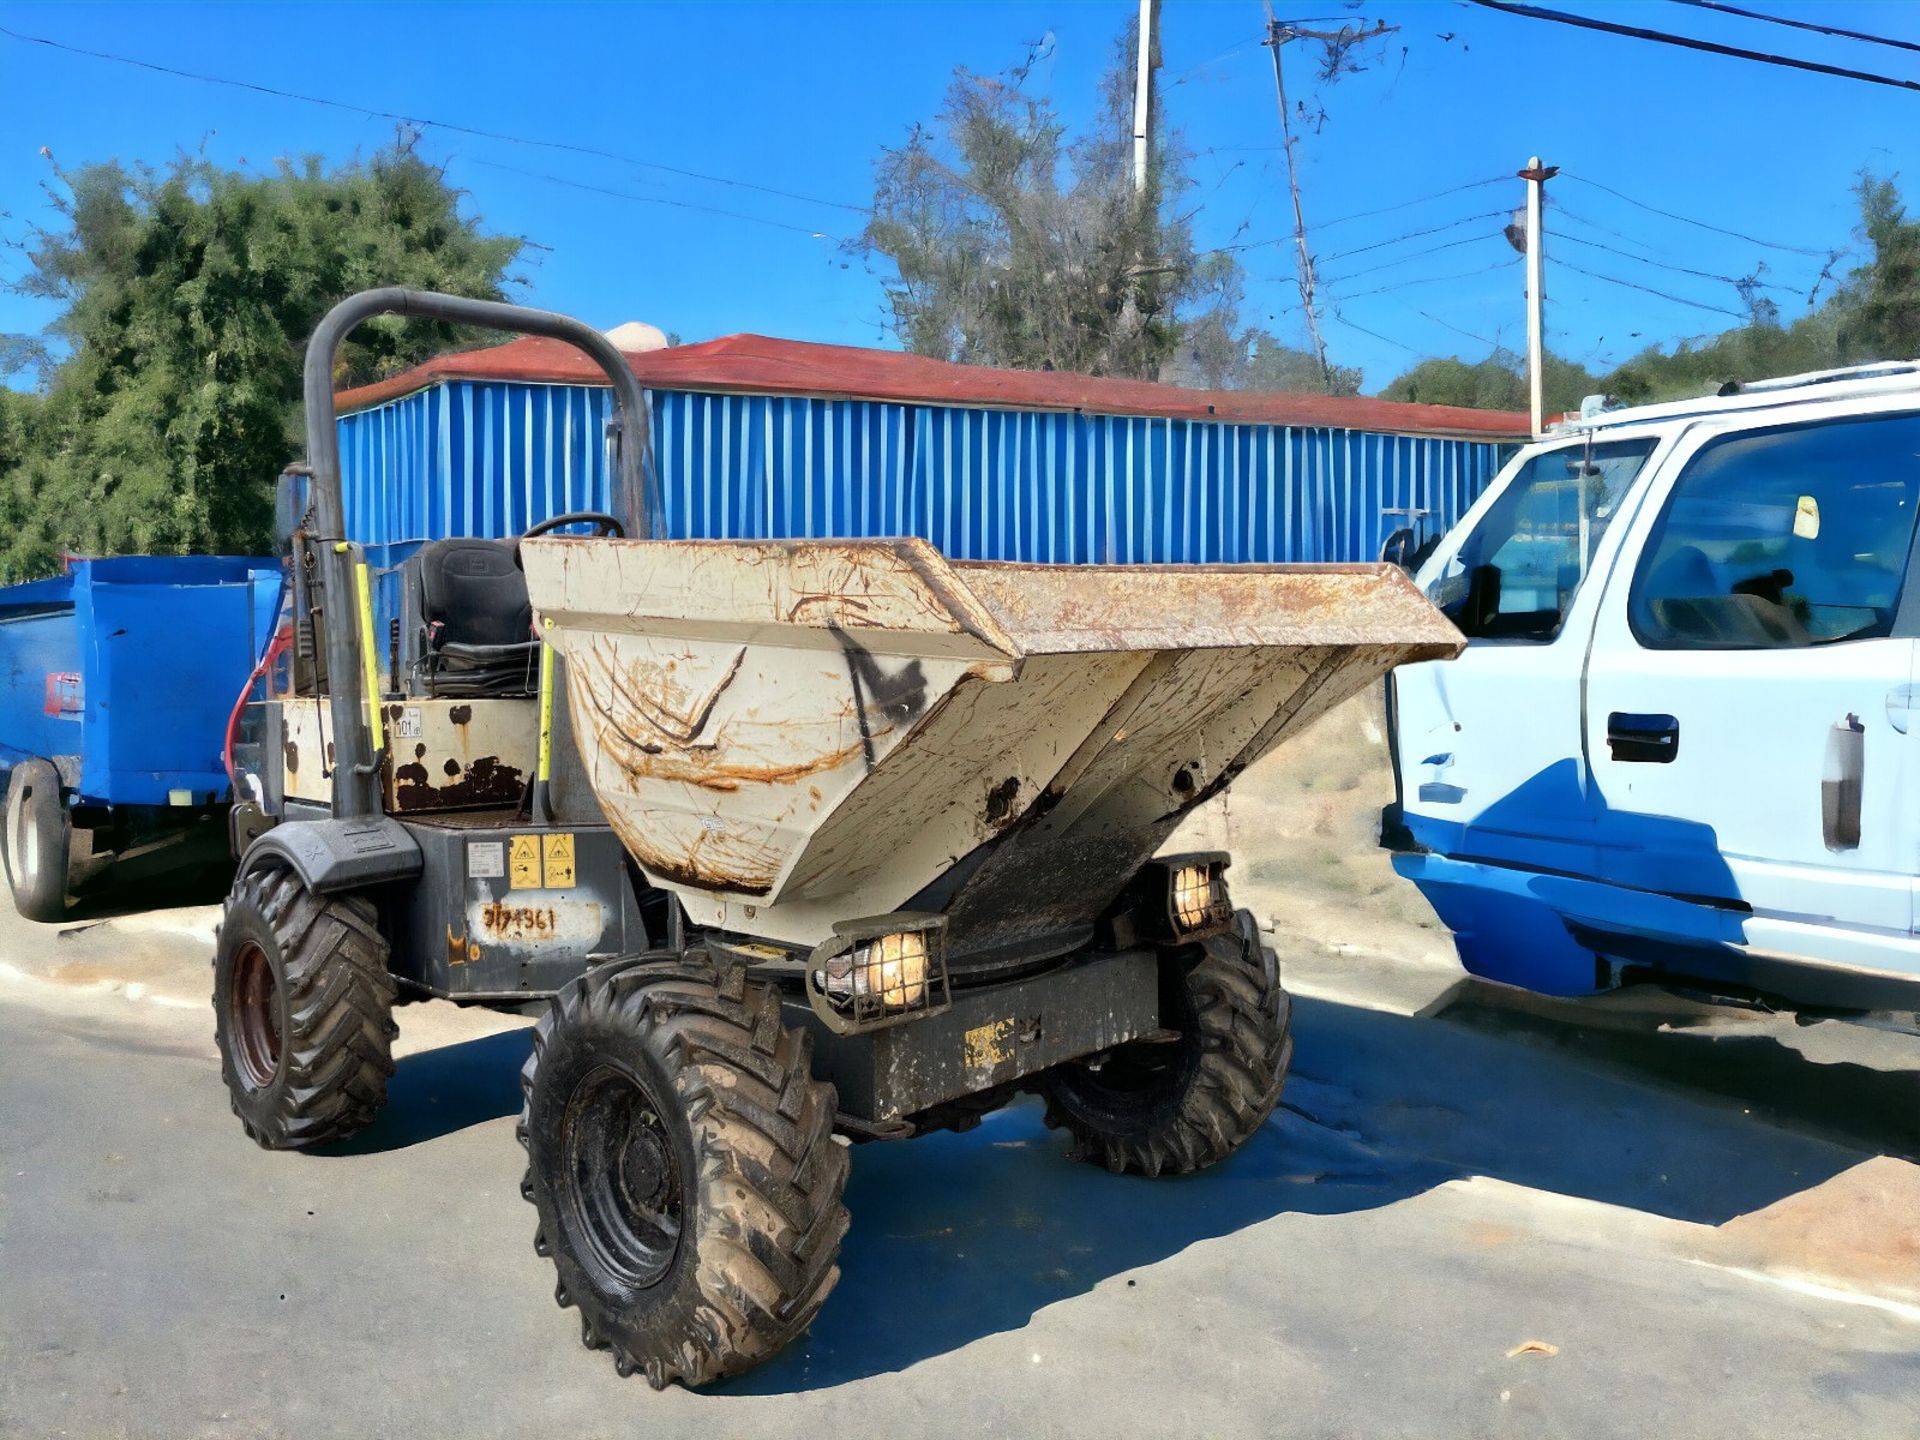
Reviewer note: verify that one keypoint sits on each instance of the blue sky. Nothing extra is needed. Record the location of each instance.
(801, 99)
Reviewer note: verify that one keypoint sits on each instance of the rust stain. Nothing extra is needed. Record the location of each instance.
(718, 770)
(457, 948)
(677, 718)
(737, 867)
(654, 730)
(485, 782)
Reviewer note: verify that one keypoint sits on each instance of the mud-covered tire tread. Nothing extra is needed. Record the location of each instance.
(1244, 1017)
(764, 1213)
(337, 1045)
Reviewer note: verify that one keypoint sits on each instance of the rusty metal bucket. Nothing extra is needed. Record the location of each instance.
(794, 733)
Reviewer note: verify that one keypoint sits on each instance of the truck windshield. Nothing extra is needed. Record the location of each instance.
(1514, 575)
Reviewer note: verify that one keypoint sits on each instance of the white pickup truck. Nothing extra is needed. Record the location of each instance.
(1683, 744)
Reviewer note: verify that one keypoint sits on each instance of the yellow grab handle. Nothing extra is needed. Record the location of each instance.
(544, 767)
(364, 587)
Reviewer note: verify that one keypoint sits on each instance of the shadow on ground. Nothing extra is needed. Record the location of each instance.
(956, 1237)
(119, 895)
(959, 1236)
(1846, 1101)
(436, 1092)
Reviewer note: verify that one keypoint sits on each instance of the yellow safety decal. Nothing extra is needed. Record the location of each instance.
(987, 1045)
(523, 862)
(556, 853)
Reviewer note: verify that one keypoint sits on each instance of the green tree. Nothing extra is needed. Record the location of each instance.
(1881, 302)
(1874, 314)
(1013, 244)
(1496, 383)
(187, 296)
(1272, 365)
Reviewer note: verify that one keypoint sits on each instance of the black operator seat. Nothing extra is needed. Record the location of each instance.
(476, 622)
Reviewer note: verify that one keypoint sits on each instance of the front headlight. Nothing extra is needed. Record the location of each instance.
(1177, 898)
(891, 969)
(1193, 889)
(879, 971)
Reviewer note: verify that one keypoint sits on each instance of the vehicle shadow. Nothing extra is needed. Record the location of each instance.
(956, 1237)
(1845, 1100)
(436, 1092)
(189, 886)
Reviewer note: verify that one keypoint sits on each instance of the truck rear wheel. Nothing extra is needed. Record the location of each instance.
(303, 1010)
(1175, 1105)
(35, 841)
(682, 1161)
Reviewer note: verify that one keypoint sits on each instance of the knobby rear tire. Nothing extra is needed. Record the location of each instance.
(303, 1008)
(1174, 1107)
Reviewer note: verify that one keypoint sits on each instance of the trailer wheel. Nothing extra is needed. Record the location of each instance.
(303, 1010)
(1178, 1105)
(682, 1161)
(36, 841)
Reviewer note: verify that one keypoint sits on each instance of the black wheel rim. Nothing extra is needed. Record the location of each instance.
(620, 1178)
(1143, 1077)
(253, 1024)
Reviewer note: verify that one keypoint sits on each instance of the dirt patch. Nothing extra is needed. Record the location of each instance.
(1304, 828)
(1861, 1229)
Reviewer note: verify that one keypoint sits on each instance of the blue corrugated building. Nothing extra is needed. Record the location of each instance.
(768, 438)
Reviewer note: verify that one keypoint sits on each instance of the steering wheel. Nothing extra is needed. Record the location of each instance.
(604, 525)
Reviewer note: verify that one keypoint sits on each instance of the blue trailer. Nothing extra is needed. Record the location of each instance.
(119, 678)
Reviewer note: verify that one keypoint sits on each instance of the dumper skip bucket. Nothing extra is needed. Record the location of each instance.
(792, 733)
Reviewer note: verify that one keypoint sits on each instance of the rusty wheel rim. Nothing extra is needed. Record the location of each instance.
(253, 1024)
(621, 1187)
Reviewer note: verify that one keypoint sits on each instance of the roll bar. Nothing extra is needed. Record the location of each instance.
(636, 494)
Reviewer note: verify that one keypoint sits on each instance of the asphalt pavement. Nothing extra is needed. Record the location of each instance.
(1475, 1214)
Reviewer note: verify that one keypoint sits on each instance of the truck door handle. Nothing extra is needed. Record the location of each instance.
(1643, 739)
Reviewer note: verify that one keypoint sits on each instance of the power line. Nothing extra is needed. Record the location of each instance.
(1403, 259)
(1400, 285)
(1412, 235)
(1686, 42)
(1754, 281)
(1447, 325)
(1364, 214)
(1649, 290)
(1192, 70)
(427, 122)
(1887, 40)
(1388, 339)
(1689, 220)
(1409, 204)
(652, 199)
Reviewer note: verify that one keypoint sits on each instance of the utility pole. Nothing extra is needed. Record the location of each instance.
(1536, 175)
(1279, 32)
(1147, 58)
(1278, 35)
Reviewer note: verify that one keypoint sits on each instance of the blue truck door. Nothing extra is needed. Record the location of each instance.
(1744, 714)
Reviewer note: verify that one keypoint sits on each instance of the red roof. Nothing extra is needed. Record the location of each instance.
(759, 365)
